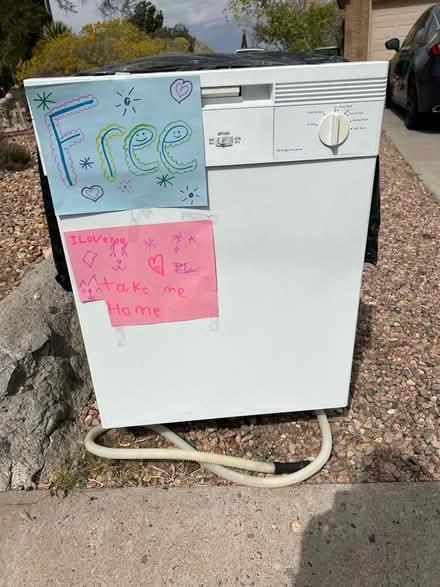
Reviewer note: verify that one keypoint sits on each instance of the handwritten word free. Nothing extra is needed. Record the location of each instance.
(119, 144)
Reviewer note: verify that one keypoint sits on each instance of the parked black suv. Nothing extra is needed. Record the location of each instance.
(414, 73)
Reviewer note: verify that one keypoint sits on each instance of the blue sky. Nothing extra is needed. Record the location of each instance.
(204, 18)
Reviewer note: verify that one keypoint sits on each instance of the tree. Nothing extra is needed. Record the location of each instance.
(146, 17)
(180, 31)
(176, 31)
(20, 27)
(96, 45)
(66, 5)
(290, 25)
(149, 19)
(117, 8)
(181, 38)
(255, 8)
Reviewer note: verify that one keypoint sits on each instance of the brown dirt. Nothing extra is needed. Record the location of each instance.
(389, 432)
(24, 239)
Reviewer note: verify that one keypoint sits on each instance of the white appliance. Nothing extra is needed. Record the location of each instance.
(291, 154)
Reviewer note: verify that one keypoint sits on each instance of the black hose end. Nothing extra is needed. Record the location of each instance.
(285, 468)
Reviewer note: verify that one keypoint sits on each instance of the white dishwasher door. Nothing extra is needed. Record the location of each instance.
(289, 244)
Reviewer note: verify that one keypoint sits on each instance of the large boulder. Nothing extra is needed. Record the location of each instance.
(44, 378)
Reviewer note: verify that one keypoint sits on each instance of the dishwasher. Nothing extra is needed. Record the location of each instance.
(291, 148)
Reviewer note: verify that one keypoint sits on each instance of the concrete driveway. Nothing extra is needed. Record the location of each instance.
(370, 534)
(420, 148)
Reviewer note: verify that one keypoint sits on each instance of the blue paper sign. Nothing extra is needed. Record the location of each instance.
(121, 143)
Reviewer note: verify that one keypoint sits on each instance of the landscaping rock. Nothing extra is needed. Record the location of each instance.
(41, 392)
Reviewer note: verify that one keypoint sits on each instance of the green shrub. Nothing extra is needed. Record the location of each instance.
(13, 156)
(97, 44)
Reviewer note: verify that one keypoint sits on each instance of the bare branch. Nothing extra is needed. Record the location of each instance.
(66, 5)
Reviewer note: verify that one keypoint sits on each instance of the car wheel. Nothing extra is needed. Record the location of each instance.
(412, 116)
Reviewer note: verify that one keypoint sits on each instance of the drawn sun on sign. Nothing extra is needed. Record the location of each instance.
(189, 195)
(127, 101)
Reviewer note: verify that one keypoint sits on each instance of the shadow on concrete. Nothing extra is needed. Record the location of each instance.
(429, 123)
(374, 535)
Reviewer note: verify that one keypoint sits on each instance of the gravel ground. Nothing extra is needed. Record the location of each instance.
(389, 432)
(24, 239)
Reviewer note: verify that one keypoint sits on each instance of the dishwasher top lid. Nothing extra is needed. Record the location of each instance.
(201, 62)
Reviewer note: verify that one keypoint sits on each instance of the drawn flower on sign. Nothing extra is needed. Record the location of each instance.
(86, 162)
(127, 101)
(164, 180)
(44, 100)
(150, 243)
(177, 240)
(189, 196)
(177, 237)
(125, 186)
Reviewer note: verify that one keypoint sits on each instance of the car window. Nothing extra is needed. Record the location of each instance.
(422, 34)
(420, 23)
(410, 36)
(433, 27)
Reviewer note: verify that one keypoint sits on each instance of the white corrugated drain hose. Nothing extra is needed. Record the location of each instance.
(217, 463)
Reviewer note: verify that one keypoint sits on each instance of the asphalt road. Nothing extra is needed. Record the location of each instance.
(420, 148)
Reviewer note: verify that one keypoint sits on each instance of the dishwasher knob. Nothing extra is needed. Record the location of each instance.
(334, 129)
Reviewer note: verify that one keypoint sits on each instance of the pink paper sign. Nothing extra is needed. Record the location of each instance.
(147, 273)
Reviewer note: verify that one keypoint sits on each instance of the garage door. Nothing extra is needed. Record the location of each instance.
(392, 18)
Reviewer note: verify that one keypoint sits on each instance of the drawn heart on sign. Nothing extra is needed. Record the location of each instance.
(93, 192)
(181, 89)
(156, 264)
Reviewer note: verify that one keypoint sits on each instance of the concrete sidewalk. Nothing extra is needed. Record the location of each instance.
(421, 148)
(369, 535)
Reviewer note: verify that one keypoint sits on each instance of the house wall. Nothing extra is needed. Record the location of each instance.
(368, 23)
(392, 18)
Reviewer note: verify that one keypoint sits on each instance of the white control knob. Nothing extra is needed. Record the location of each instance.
(334, 129)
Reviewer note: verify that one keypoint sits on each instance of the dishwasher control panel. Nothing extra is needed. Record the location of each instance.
(327, 131)
(240, 136)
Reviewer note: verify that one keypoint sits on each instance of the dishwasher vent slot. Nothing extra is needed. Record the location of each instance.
(323, 92)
